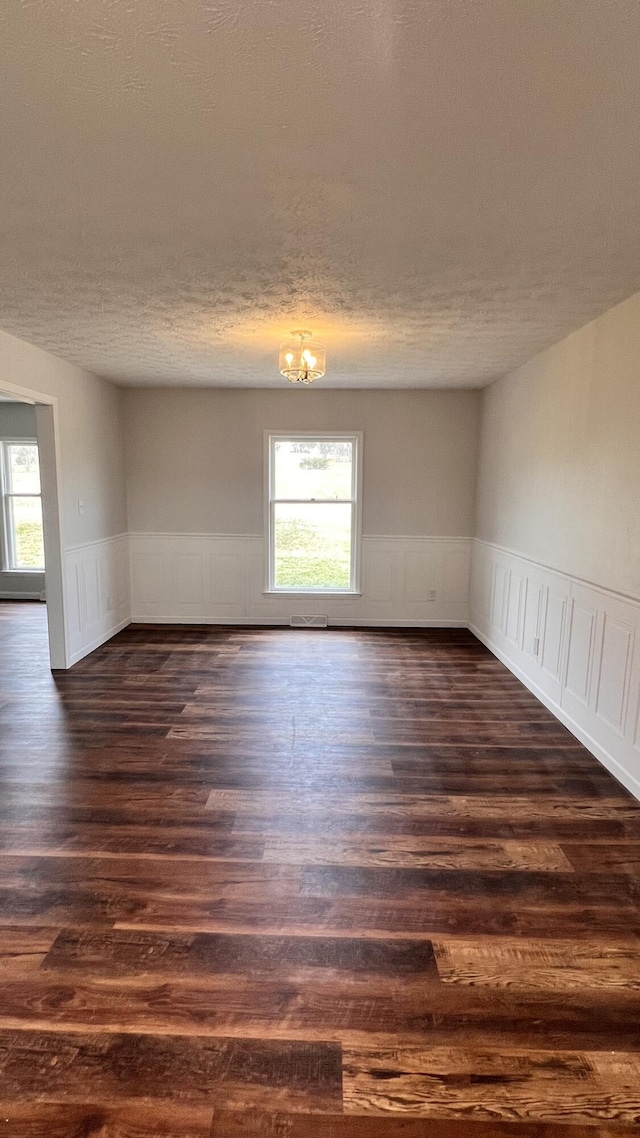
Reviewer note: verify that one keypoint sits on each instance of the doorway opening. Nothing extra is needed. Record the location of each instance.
(31, 556)
(22, 564)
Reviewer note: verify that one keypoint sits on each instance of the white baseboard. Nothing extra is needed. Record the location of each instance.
(388, 623)
(283, 622)
(102, 639)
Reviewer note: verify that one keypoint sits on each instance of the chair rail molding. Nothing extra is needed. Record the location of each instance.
(574, 643)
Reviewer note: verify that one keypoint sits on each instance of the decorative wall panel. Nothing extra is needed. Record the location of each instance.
(577, 647)
(220, 578)
(97, 593)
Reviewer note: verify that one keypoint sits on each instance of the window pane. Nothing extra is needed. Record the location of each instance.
(24, 468)
(313, 546)
(26, 518)
(313, 469)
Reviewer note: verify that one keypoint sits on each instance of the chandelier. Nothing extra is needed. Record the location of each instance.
(302, 359)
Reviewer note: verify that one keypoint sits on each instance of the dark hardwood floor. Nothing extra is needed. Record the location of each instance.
(282, 884)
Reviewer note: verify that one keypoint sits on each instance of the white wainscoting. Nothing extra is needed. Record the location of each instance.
(96, 594)
(575, 644)
(219, 578)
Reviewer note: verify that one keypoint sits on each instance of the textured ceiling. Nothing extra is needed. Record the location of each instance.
(438, 188)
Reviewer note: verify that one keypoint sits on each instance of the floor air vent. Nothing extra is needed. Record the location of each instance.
(309, 622)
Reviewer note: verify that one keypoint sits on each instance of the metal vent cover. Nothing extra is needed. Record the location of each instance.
(309, 622)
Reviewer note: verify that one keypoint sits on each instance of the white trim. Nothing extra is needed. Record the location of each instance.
(419, 537)
(386, 622)
(50, 452)
(293, 435)
(174, 534)
(612, 765)
(21, 441)
(98, 541)
(270, 438)
(634, 598)
(9, 526)
(311, 592)
(283, 622)
(51, 488)
(48, 434)
(102, 639)
(259, 537)
(413, 537)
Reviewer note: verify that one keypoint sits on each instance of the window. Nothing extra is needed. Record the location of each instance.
(22, 507)
(314, 512)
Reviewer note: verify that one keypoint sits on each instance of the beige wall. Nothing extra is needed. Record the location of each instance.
(195, 457)
(90, 433)
(559, 472)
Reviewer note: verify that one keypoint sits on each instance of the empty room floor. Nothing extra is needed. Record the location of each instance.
(343, 884)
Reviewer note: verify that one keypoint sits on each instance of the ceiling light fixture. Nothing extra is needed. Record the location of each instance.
(302, 359)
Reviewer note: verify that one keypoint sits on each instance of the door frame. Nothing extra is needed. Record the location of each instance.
(48, 433)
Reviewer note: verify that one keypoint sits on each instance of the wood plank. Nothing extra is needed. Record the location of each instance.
(347, 1009)
(266, 803)
(547, 965)
(445, 853)
(114, 840)
(531, 1086)
(112, 953)
(370, 916)
(104, 1120)
(214, 924)
(81, 1068)
(23, 949)
(618, 857)
(529, 887)
(496, 828)
(81, 890)
(258, 1124)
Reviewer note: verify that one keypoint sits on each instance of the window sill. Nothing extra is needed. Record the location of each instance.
(312, 592)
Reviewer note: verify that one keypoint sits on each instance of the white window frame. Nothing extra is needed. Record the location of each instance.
(355, 501)
(8, 537)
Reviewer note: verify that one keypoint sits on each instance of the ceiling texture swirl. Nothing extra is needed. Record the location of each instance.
(437, 188)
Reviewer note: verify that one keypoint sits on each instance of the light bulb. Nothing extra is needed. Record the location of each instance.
(301, 359)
